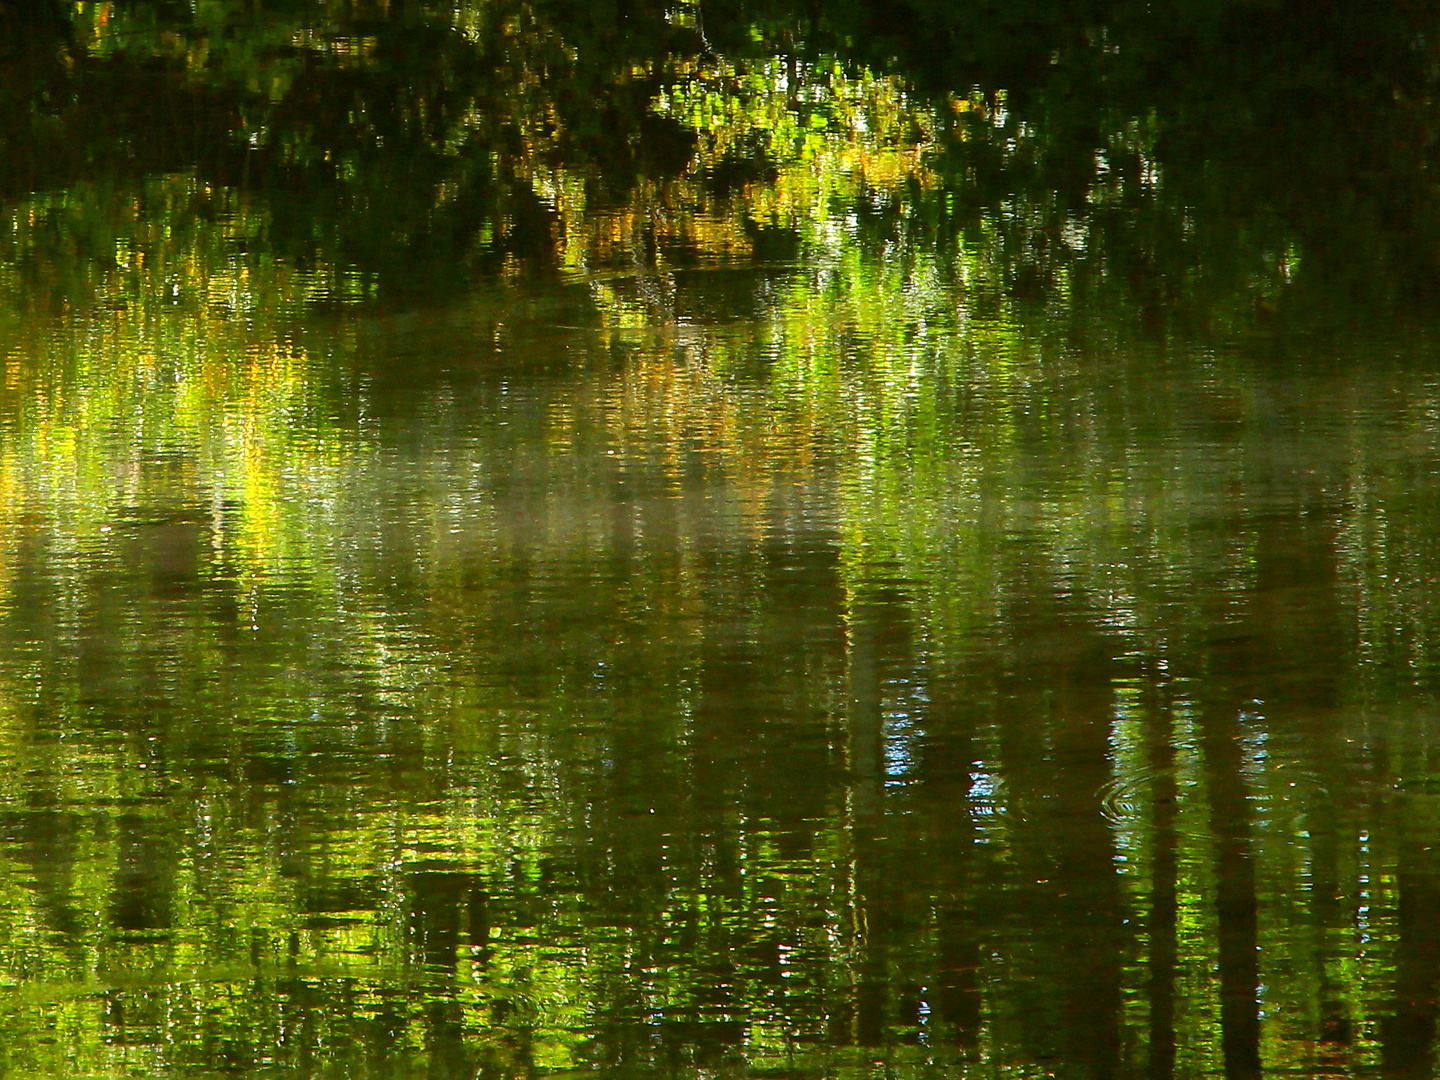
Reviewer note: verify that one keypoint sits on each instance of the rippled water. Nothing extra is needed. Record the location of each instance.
(789, 571)
(456, 693)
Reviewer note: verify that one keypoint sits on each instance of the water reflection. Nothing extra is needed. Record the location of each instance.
(449, 693)
(798, 571)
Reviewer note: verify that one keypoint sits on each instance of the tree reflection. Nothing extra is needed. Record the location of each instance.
(678, 540)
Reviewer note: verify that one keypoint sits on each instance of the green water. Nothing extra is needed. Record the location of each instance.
(718, 541)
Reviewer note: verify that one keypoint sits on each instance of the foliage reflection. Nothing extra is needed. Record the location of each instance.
(657, 540)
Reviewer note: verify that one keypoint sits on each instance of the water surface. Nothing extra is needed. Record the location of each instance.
(678, 543)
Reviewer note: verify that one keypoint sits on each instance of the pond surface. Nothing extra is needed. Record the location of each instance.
(647, 541)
